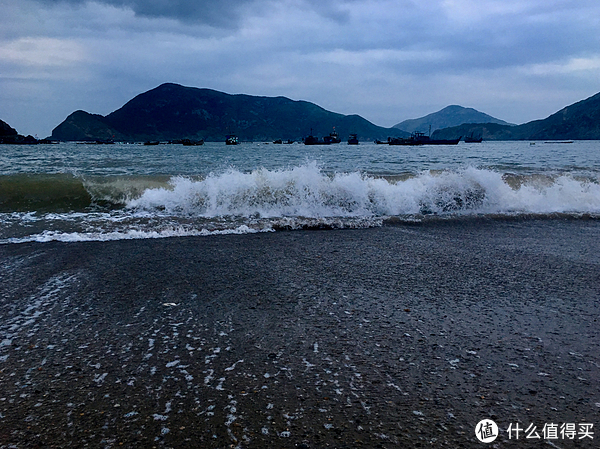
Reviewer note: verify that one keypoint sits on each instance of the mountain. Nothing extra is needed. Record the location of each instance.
(11, 136)
(6, 130)
(579, 121)
(449, 116)
(81, 125)
(172, 112)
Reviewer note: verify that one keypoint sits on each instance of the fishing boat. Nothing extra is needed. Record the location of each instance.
(472, 139)
(327, 140)
(331, 138)
(312, 140)
(232, 140)
(418, 138)
(192, 143)
(353, 139)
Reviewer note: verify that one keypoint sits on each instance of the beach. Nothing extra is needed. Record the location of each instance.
(405, 335)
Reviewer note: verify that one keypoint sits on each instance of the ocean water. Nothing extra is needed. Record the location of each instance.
(77, 192)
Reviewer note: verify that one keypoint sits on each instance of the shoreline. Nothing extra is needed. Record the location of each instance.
(399, 336)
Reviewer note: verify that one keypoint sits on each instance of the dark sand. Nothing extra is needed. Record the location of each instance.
(401, 336)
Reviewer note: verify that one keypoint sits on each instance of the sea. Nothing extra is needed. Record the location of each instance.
(95, 192)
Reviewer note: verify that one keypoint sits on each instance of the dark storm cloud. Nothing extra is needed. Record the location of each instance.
(218, 13)
(221, 13)
(516, 59)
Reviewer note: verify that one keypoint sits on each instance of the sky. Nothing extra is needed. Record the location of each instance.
(388, 61)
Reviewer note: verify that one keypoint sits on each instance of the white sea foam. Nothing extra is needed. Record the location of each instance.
(307, 192)
(236, 202)
(130, 234)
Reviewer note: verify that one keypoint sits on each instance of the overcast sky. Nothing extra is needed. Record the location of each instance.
(517, 60)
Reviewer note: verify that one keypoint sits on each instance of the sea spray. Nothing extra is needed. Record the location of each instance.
(299, 197)
(305, 191)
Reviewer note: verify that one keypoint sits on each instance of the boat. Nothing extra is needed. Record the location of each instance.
(398, 141)
(232, 140)
(192, 143)
(48, 141)
(331, 138)
(353, 139)
(151, 142)
(327, 140)
(418, 138)
(471, 139)
(278, 141)
(312, 140)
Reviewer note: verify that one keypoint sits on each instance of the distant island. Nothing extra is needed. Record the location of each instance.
(171, 112)
(579, 121)
(9, 135)
(450, 116)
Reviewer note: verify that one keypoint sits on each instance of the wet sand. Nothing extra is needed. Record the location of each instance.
(400, 336)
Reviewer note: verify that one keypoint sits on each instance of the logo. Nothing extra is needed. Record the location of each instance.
(486, 431)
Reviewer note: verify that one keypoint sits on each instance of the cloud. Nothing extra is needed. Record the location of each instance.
(42, 52)
(387, 60)
(572, 66)
(221, 13)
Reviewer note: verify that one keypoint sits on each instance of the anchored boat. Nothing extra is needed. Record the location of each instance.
(472, 139)
(232, 140)
(418, 138)
(353, 139)
(327, 140)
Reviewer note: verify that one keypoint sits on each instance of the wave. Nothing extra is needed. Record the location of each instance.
(69, 208)
(131, 234)
(67, 192)
(306, 191)
(41, 192)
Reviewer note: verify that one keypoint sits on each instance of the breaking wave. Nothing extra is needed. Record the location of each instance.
(69, 208)
(61, 192)
(307, 192)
